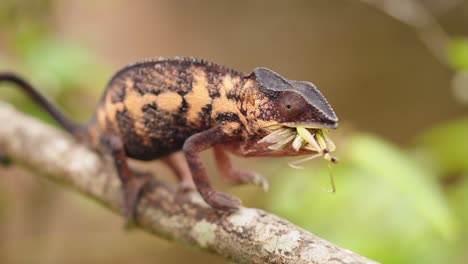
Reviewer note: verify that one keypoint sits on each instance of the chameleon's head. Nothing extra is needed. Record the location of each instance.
(293, 103)
(295, 115)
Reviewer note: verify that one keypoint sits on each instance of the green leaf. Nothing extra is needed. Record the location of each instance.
(448, 145)
(458, 53)
(68, 64)
(388, 206)
(415, 184)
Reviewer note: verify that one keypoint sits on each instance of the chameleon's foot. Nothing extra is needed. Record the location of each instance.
(186, 185)
(222, 201)
(234, 175)
(247, 177)
(133, 189)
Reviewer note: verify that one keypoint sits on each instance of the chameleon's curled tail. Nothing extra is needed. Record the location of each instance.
(66, 123)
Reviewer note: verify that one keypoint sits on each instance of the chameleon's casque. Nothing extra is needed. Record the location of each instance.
(166, 107)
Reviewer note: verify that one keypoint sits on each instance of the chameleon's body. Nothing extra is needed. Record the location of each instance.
(156, 105)
(155, 108)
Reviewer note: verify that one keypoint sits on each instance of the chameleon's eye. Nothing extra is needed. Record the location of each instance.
(292, 105)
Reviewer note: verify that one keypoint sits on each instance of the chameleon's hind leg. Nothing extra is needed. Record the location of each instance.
(234, 175)
(178, 164)
(133, 182)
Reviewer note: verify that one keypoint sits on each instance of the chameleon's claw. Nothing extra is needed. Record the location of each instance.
(262, 182)
(222, 201)
(238, 177)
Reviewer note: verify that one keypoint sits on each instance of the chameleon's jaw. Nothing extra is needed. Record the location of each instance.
(313, 125)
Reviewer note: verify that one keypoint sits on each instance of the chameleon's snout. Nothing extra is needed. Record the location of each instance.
(331, 124)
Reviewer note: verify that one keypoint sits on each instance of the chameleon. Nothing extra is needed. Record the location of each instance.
(174, 108)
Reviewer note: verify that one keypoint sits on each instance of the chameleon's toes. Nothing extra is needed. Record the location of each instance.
(259, 180)
(223, 201)
(133, 189)
(248, 177)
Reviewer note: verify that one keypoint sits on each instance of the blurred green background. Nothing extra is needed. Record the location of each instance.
(396, 73)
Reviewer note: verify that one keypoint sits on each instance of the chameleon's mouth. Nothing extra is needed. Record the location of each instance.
(301, 138)
(313, 125)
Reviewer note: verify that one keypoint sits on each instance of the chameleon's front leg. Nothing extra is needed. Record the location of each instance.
(192, 146)
(234, 175)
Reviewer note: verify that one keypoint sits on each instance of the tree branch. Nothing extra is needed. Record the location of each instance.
(247, 236)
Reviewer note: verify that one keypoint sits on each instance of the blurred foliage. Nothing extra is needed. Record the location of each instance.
(60, 68)
(448, 145)
(458, 53)
(377, 182)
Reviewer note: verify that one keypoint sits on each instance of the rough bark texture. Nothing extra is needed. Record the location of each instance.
(247, 236)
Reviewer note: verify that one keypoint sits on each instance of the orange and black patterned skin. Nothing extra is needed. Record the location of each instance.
(156, 108)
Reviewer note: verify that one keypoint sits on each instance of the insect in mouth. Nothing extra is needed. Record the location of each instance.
(314, 139)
